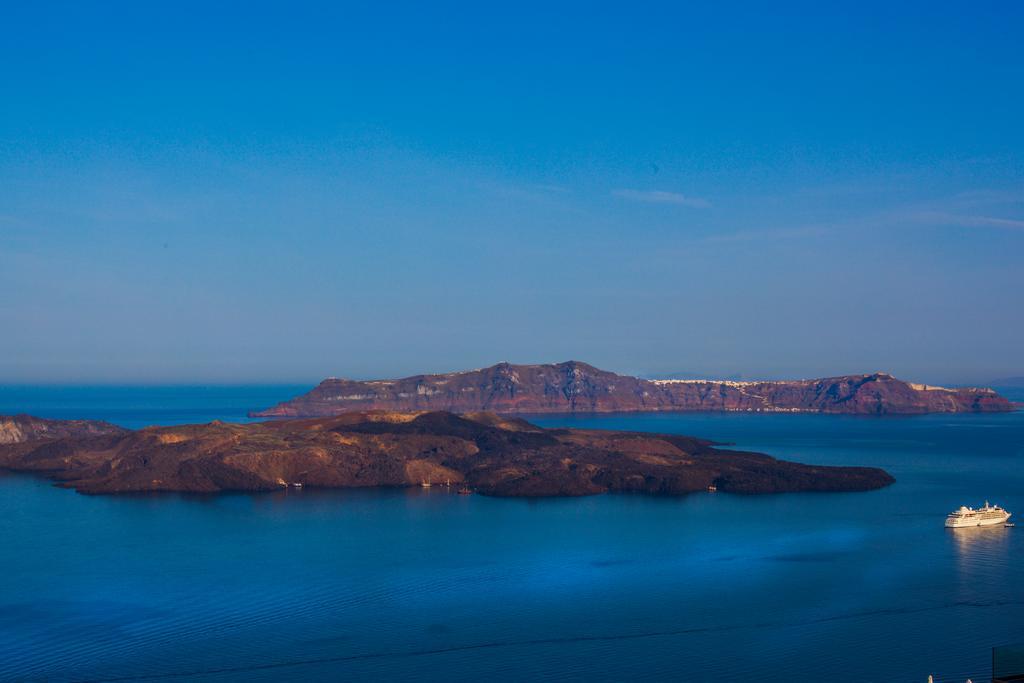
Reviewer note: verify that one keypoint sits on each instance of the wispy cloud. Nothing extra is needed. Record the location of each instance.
(769, 234)
(969, 221)
(662, 197)
(988, 197)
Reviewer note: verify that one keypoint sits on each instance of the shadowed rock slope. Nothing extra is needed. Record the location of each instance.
(578, 387)
(22, 428)
(485, 452)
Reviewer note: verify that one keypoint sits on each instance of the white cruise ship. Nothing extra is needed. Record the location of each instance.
(990, 515)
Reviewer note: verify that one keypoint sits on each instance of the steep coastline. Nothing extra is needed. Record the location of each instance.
(483, 451)
(23, 428)
(578, 387)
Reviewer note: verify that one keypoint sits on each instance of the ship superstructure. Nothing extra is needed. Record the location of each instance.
(988, 515)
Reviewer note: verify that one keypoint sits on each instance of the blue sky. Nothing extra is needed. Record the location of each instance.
(193, 192)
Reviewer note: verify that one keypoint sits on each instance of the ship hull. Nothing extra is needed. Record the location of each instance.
(969, 522)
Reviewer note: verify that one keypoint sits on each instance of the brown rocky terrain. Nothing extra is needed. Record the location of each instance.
(21, 428)
(577, 387)
(483, 452)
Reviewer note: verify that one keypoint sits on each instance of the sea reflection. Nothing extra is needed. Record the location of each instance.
(982, 553)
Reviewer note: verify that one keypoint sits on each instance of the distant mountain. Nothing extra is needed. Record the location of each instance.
(578, 387)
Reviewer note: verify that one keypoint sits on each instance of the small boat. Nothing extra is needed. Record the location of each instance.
(465, 491)
(712, 488)
(989, 515)
(296, 484)
(425, 484)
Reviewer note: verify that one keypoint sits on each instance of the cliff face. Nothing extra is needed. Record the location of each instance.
(487, 453)
(22, 428)
(578, 387)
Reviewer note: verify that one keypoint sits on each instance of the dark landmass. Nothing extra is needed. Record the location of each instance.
(577, 387)
(22, 428)
(482, 452)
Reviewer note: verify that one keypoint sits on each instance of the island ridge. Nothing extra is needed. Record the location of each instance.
(573, 387)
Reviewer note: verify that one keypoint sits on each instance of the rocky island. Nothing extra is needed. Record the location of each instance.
(578, 387)
(479, 452)
(22, 428)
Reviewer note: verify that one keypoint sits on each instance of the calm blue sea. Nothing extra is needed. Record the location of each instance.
(414, 584)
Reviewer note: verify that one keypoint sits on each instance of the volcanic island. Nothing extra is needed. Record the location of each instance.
(480, 452)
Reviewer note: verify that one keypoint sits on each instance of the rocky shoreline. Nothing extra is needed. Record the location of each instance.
(481, 452)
